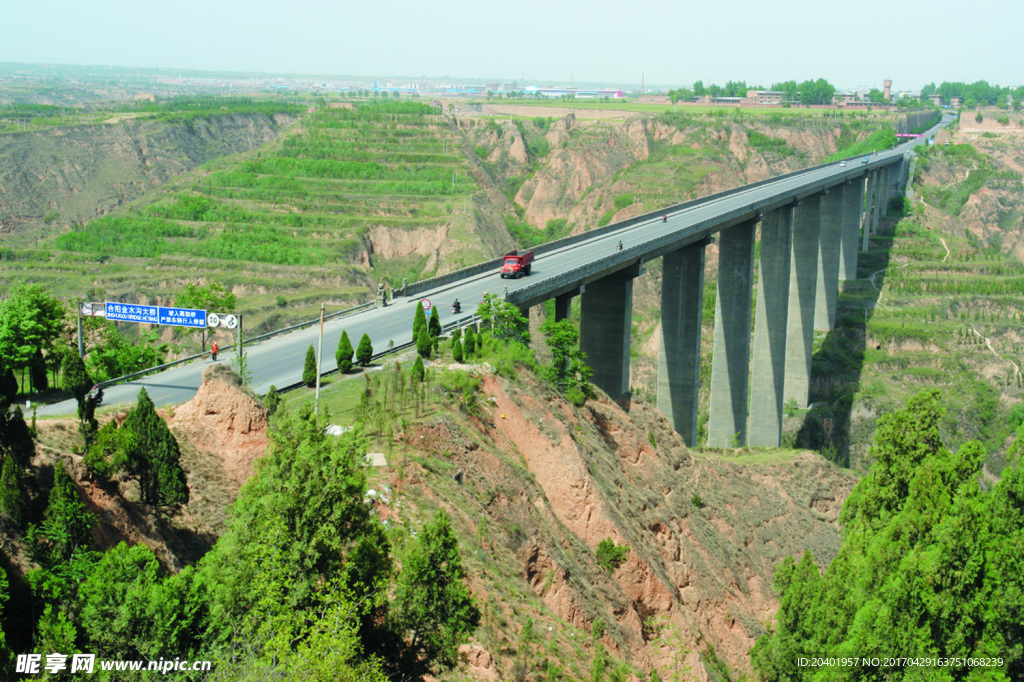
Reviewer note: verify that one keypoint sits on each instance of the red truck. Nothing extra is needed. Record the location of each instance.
(516, 264)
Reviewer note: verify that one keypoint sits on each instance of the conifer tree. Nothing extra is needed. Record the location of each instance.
(11, 500)
(457, 351)
(272, 400)
(364, 354)
(418, 371)
(16, 438)
(424, 344)
(309, 368)
(66, 523)
(434, 326)
(419, 321)
(155, 458)
(456, 336)
(37, 372)
(8, 387)
(470, 344)
(343, 356)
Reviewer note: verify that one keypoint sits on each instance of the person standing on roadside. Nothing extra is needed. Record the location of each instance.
(213, 351)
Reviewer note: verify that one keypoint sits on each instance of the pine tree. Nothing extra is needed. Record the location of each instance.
(16, 438)
(37, 372)
(74, 378)
(470, 344)
(456, 336)
(424, 344)
(155, 458)
(364, 354)
(434, 326)
(418, 371)
(11, 500)
(433, 607)
(457, 351)
(8, 387)
(309, 368)
(419, 321)
(343, 356)
(66, 523)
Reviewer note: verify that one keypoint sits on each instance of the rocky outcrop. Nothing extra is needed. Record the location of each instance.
(225, 420)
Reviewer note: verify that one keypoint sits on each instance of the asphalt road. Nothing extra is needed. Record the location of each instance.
(278, 361)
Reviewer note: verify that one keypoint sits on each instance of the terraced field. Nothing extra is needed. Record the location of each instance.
(351, 195)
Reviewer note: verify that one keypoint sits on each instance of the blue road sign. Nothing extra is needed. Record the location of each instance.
(129, 312)
(178, 317)
(183, 317)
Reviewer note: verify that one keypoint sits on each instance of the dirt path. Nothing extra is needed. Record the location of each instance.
(988, 344)
(946, 248)
(874, 286)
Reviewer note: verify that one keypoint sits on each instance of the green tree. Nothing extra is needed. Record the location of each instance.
(457, 350)
(16, 440)
(343, 356)
(126, 609)
(8, 387)
(569, 369)
(155, 458)
(434, 326)
(309, 372)
(116, 356)
(75, 379)
(471, 343)
(418, 371)
(12, 500)
(818, 91)
(434, 610)
(30, 320)
(419, 321)
(424, 344)
(301, 528)
(931, 562)
(364, 353)
(66, 523)
(506, 321)
(211, 298)
(272, 400)
(110, 451)
(37, 372)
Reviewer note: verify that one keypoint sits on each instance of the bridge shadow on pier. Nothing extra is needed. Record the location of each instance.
(838, 361)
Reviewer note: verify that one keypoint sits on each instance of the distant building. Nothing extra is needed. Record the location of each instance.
(144, 97)
(936, 100)
(956, 101)
(765, 97)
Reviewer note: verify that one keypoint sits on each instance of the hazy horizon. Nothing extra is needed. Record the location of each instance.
(534, 42)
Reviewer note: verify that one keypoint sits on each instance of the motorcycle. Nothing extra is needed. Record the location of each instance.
(620, 246)
(96, 395)
(456, 308)
(664, 218)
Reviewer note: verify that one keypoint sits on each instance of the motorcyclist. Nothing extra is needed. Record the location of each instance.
(620, 245)
(664, 217)
(456, 306)
(96, 394)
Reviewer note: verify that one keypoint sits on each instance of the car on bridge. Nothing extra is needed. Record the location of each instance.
(865, 160)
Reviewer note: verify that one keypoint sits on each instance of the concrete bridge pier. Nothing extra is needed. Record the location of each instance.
(876, 199)
(730, 365)
(768, 373)
(563, 305)
(853, 201)
(682, 302)
(865, 210)
(803, 282)
(605, 325)
(827, 295)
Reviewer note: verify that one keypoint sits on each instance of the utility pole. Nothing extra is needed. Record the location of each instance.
(319, 357)
(81, 342)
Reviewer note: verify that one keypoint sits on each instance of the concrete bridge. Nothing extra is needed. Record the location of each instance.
(812, 223)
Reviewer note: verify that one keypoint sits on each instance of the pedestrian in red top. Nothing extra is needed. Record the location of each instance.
(213, 351)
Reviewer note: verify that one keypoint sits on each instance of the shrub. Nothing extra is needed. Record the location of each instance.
(610, 556)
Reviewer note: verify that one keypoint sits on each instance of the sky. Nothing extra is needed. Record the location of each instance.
(664, 42)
